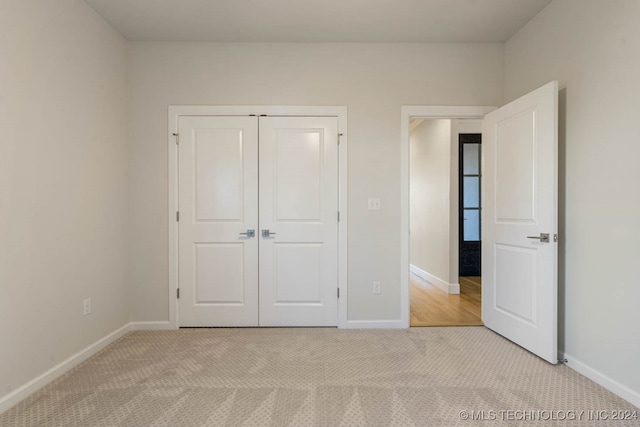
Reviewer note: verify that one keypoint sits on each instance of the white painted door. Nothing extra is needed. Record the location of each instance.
(298, 221)
(520, 202)
(218, 201)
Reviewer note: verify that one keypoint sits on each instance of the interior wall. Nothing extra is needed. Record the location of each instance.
(63, 194)
(372, 80)
(591, 47)
(429, 197)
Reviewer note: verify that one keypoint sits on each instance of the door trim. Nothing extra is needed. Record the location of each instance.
(175, 111)
(406, 114)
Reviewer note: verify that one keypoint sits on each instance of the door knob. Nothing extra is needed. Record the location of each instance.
(543, 237)
(250, 233)
(267, 233)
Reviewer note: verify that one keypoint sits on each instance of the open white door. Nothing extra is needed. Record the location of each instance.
(520, 219)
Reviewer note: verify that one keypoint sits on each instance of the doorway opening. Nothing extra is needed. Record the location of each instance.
(434, 294)
(444, 182)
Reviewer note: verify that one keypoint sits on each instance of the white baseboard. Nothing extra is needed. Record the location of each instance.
(374, 324)
(150, 326)
(452, 288)
(631, 396)
(37, 383)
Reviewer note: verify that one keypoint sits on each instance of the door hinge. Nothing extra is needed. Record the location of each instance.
(338, 216)
(339, 135)
(177, 138)
(338, 292)
(555, 238)
(178, 293)
(178, 216)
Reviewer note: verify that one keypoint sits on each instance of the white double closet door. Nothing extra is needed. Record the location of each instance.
(258, 228)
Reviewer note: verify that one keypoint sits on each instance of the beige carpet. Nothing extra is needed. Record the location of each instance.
(325, 377)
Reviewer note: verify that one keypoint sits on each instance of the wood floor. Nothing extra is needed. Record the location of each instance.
(431, 306)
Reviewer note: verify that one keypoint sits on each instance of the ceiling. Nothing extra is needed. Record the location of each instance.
(390, 21)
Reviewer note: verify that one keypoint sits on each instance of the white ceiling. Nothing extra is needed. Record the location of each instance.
(432, 21)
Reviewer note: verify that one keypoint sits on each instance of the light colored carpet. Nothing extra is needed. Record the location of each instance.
(324, 377)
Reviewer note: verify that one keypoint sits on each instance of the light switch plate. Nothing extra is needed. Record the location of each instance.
(376, 287)
(373, 204)
(86, 307)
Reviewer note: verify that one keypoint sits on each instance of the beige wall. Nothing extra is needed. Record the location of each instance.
(591, 47)
(63, 171)
(429, 195)
(372, 80)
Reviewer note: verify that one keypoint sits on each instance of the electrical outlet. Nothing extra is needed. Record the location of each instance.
(373, 204)
(86, 307)
(376, 287)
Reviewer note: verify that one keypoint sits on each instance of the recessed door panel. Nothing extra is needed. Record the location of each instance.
(516, 287)
(219, 273)
(297, 273)
(298, 170)
(515, 155)
(219, 174)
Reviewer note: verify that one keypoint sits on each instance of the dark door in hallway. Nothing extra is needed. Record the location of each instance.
(469, 208)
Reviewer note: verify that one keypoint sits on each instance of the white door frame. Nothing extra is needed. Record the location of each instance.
(406, 114)
(340, 112)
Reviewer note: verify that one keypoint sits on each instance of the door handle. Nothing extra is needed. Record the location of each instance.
(543, 237)
(267, 233)
(250, 233)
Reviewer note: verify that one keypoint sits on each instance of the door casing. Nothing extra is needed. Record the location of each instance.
(340, 112)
